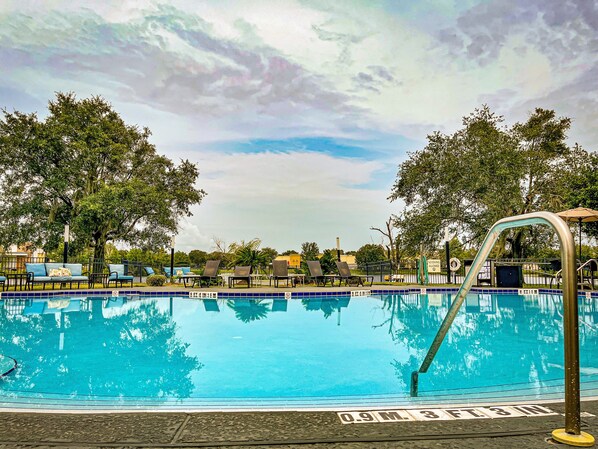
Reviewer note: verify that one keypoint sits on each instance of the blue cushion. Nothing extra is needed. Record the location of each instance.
(76, 268)
(149, 271)
(2, 278)
(42, 278)
(113, 277)
(167, 271)
(79, 278)
(38, 269)
(119, 268)
(186, 270)
(52, 266)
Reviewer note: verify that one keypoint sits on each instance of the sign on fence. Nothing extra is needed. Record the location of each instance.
(434, 266)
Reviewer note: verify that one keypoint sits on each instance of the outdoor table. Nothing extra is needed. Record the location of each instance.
(19, 279)
(98, 278)
(297, 278)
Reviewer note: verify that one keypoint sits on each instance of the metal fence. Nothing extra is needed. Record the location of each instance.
(10, 264)
(495, 273)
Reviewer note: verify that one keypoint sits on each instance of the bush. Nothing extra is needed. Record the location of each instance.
(156, 280)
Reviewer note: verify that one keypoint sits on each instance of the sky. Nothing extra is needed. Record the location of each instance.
(298, 113)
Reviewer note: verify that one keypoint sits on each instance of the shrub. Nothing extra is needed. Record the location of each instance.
(156, 280)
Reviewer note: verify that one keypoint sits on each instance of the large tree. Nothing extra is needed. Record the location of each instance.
(483, 172)
(583, 187)
(83, 165)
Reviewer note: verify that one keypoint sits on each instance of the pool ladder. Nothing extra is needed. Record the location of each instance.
(572, 433)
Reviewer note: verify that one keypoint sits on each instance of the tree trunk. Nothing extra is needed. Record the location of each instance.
(518, 244)
(99, 252)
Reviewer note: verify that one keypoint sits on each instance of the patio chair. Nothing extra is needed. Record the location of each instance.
(345, 275)
(316, 274)
(209, 276)
(280, 270)
(117, 275)
(3, 281)
(240, 274)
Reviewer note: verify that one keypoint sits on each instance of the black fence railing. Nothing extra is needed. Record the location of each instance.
(495, 272)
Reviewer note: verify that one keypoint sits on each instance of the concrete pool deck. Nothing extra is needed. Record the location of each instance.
(276, 429)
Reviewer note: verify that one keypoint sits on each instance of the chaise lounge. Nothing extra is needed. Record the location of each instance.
(209, 276)
(316, 274)
(345, 275)
(280, 271)
(241, 274)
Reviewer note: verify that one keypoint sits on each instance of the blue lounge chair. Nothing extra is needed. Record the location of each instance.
(117, 274)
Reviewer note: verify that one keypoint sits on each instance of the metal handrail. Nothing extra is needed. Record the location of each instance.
(571, 331)
(557, 275)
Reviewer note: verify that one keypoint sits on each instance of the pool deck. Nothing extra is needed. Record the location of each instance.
(275, 429)
(284, 429)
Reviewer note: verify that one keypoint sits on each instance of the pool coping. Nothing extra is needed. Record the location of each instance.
(268, 292)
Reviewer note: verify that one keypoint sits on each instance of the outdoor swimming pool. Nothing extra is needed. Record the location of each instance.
(180, 353)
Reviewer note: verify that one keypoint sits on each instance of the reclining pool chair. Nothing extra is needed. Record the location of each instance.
(117, 274)
(316, 274)
(344, 274)
(280, 270)
(240, 274)
(209, 276)
(210, 273)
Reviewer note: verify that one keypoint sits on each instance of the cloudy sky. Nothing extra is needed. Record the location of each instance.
(299, 112)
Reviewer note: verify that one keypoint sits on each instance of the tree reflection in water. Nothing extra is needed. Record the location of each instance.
(248, 310)
(98, 356)
(478, 351)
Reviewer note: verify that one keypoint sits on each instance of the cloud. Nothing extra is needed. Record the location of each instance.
(286, 199)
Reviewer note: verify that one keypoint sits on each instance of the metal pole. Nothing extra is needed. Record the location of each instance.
(65, 254)
(447, 251)
(448, 261)
(580, 240)
(338, 249)
(172, 260)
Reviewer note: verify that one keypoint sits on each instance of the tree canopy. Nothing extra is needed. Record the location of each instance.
(83, 165)
(369, 253)
(483, 172)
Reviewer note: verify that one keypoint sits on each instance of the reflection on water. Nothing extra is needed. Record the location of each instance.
(94, 347)
(172, 349)
(496, 340)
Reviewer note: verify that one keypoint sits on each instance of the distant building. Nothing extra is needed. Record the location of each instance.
(293, 260)
(16, 256)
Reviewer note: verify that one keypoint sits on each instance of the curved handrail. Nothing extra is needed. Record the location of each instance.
(557, 275)
(571, 331)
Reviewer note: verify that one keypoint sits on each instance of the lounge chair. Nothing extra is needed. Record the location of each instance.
(345, 275)
(280, 270)
(3, 281)
(117, 274)
(149, 270)
(316, 274)
(210, 275)
(240, 274)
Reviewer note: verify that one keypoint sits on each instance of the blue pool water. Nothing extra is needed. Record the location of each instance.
(257, 353)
